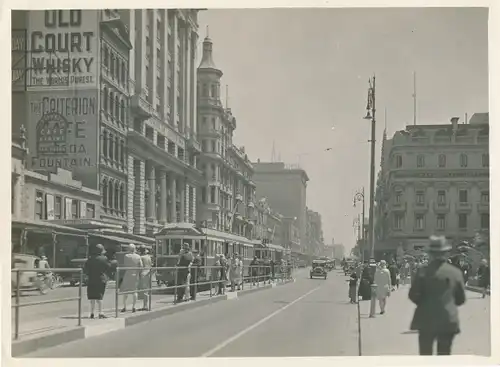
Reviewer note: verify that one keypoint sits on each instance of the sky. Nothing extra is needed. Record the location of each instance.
(298, 80)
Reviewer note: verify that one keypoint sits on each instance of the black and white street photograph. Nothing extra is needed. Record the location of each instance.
(249, 182)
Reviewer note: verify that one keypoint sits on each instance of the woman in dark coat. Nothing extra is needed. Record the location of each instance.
(364, 285)
(97, 268)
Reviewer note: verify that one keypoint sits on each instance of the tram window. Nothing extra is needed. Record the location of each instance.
(175, 247)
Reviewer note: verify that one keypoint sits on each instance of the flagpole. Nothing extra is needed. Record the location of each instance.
(414, 98)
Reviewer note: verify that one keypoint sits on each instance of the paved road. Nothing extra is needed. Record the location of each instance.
(305, 318)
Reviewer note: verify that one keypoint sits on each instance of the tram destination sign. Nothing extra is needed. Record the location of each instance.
(63, 49)
(62, 133)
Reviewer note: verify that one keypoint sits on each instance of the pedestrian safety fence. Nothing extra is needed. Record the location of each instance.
(35, 279)
(190, 280)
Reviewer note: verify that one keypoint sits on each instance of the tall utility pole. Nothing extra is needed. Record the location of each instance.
(370, 115)
(414, 98)
(360, 197)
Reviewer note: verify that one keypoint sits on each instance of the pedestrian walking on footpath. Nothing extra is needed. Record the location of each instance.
(130, 280)
(353, 283)
(437, 291)
(97, 268)
(365, 283)
(145, 277)
(184, 264)
(483, 274)
(234, 272)
(394, 271)
(195, 272)
(384, 285)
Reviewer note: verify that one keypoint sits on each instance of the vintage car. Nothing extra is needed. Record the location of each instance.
(318, 269)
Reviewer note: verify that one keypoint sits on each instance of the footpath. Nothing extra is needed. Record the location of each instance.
(53, 328)
(389, 334)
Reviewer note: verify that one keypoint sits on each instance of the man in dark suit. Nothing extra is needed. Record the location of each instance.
(437, 290)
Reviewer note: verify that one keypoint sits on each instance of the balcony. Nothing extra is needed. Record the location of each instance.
(141, 107)
(398, 206)
(483, 207)
(441, 208)
(464, 207)
(421, 207)
(193, 142)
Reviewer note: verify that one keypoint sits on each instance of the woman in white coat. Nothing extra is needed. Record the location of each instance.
(384, 286)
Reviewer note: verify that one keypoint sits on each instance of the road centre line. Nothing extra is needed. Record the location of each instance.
(253, 326)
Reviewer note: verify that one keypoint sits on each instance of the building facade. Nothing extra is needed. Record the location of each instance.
(228, 199)
(163, 178)
(291, 235)
(434, 180)
(314, 233)
(285, 189)
(115, 50)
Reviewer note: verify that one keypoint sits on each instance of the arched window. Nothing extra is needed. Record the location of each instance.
(110, 194)
(111, 146)
(118, 71)
(112, 67)
(122, 150)
(117, 195)
(122, 117)
(104, 99)
(105, 144)
(106, 56)
(111, 103)
(104, 193)
(117, 149)
(122, 197)
(463, 160)
(117, 107)
(124, 78)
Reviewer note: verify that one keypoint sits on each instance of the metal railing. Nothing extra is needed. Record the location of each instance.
(35, 285)
(213, 277)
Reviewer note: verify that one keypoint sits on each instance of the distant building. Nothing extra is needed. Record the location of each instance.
(285, 188)
(434, 179)
(314, 233)
(228, 198)
(338, 251)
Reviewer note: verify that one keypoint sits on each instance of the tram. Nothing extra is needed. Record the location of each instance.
(206, 241)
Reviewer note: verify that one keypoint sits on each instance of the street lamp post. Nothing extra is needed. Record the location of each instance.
(359, 196)
(370, 115)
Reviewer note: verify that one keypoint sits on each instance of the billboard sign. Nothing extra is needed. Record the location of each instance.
(63, 133)
(63, 49)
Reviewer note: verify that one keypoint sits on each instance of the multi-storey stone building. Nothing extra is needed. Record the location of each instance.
(314, 233)
(434, 180)
(227, 201)
(163, 178)
(285, 188)
(115, 51)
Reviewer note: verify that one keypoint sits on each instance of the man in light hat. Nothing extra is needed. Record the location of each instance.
(184, 267)
(437, 290)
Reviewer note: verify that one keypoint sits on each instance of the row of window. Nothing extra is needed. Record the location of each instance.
(56, 207)
(115, 64)
(114, 104)
(463, 196)
(419, 221)
(485, 160)
(113, 147)
(113, 193)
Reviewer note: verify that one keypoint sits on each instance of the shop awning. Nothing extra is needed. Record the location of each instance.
(275, 247)
(87, 224)
(179, 229)
(120, 240)
(46, 227)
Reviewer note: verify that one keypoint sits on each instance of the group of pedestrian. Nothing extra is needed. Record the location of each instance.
(437, 289)
(134, 278)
